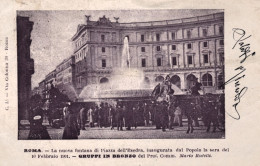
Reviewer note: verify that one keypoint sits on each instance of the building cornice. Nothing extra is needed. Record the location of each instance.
(212, 18)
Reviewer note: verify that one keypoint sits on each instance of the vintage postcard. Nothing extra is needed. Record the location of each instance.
(134, 83)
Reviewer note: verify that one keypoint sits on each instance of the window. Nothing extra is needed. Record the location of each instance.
(103, 49)
(143, 62)
(189, 59)
(104, 63)
(142, 38)
(207, 80)
(159, 61)
(173, 35)
(143, 49)
(173, 47)
(189, 46)
(157, 37)
(102, 38)
(204, 32)
(113, 37)
(206, 58)
(174, 61)
(205, 44)
(221, 42)
(221, 30)
(188, 34)
(158, 48)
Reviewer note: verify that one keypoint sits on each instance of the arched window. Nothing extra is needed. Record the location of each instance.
(146, 80)
(104, 83)
(207, 80)
(104, 80)
(159, 79)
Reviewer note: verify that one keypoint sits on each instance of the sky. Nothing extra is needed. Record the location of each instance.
(53, 30)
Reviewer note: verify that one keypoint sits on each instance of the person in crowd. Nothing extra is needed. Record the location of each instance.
(82, 116)
(157, 114)
(101, 115)
(171, 99)
(91, 116)
(140, 114)
(163, 114)
(152, 111)
(128, 114)
(37, 130)
(178, 114)
(112, 119)
(135, 114)
(106, 115)
(119, 118)
(171, 110)
(195, 92)
(146, 114)
(71, 129)
(96, 115)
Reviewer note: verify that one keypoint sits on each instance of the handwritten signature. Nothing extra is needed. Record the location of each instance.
(240, 39)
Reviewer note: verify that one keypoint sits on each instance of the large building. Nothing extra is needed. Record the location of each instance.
(65, 77)
(185, 49)
(25, 65)
(50, 79)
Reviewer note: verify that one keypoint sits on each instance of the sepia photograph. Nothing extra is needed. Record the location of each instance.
(121, 74)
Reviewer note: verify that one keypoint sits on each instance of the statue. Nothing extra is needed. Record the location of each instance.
(88, 16)
(195, 89)
(116, 18)
(162, 90)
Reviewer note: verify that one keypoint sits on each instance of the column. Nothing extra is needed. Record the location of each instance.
(177, 57)
(168, 52)
(193, 58)
(199, 54)
(184, 64)
(198, 31)
(183, 81)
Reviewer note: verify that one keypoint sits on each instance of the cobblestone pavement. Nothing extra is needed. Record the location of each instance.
(139, 133)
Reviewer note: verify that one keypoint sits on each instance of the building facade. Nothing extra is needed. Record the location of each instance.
(50, 79)
(25, 65)
(42, 90)
(185, 49)
(65, 77)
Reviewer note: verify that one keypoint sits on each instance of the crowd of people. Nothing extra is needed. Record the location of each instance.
(125, 115)
(129, 115)
(163, 110)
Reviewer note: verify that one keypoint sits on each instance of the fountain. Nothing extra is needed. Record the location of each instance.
(125, 82)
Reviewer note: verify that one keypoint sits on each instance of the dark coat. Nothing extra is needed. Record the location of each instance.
(119, 114)
(38, 131)
(195, 89)
(71, 130)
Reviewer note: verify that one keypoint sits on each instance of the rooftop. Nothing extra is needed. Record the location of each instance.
(105, 22)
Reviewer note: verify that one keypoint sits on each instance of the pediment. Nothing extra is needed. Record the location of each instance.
(220, 50)
(205, 51)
